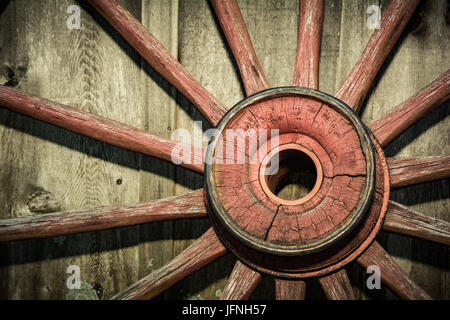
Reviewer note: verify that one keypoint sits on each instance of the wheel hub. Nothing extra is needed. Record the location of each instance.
(271, 139)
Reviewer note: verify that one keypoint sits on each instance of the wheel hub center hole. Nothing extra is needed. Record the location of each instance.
(296, 175)
(291, 174)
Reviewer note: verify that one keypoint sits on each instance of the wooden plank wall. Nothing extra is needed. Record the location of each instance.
(44, 168)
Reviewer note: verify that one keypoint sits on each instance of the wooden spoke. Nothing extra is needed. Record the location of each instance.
(202, 252)
(394, 19)
(337, 286)
(400, 219)
(391, 125)
(410, 171)
(190, 205)
(290, 289)
(306, 73)
(241, 283)
(159, 58)
(392, 275)
(102, 129)
(233, 26)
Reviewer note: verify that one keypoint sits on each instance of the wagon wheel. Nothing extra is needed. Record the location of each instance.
(314, 235)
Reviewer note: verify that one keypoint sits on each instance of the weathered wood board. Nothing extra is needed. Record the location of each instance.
(46, 169)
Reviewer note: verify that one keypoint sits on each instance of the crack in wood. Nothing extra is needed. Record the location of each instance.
(271, 223)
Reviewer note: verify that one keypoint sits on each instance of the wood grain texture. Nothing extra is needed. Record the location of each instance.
(70, 222)
(337, 286)
(241, 283)
(392, 275)
(203, 251)
(402, 220)
(410, 171)
(157, 178)
(394, 123)
(290, 289)
(411, 67)
(273, 26)
(202, 49)
(394, 19)
(330, 51)
(101, 128)
(69, 66)
(160, 58)
(233, 25)
(306, 73)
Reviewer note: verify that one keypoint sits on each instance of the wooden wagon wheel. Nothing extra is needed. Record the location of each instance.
(313, 236)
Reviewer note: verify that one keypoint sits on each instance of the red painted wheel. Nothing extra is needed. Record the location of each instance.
(292, 238)
(312, 136)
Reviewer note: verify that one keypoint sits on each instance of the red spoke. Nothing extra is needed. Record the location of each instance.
(102, 129)
(290, 289)
(402, 220)
(391, 125)
(190, 205)
(241, 283)
(410, 171)
(306, 73)
(337, 286)
(159, 58)
(392, 275)
(395, 17)
(205, 250)
(238, 39)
